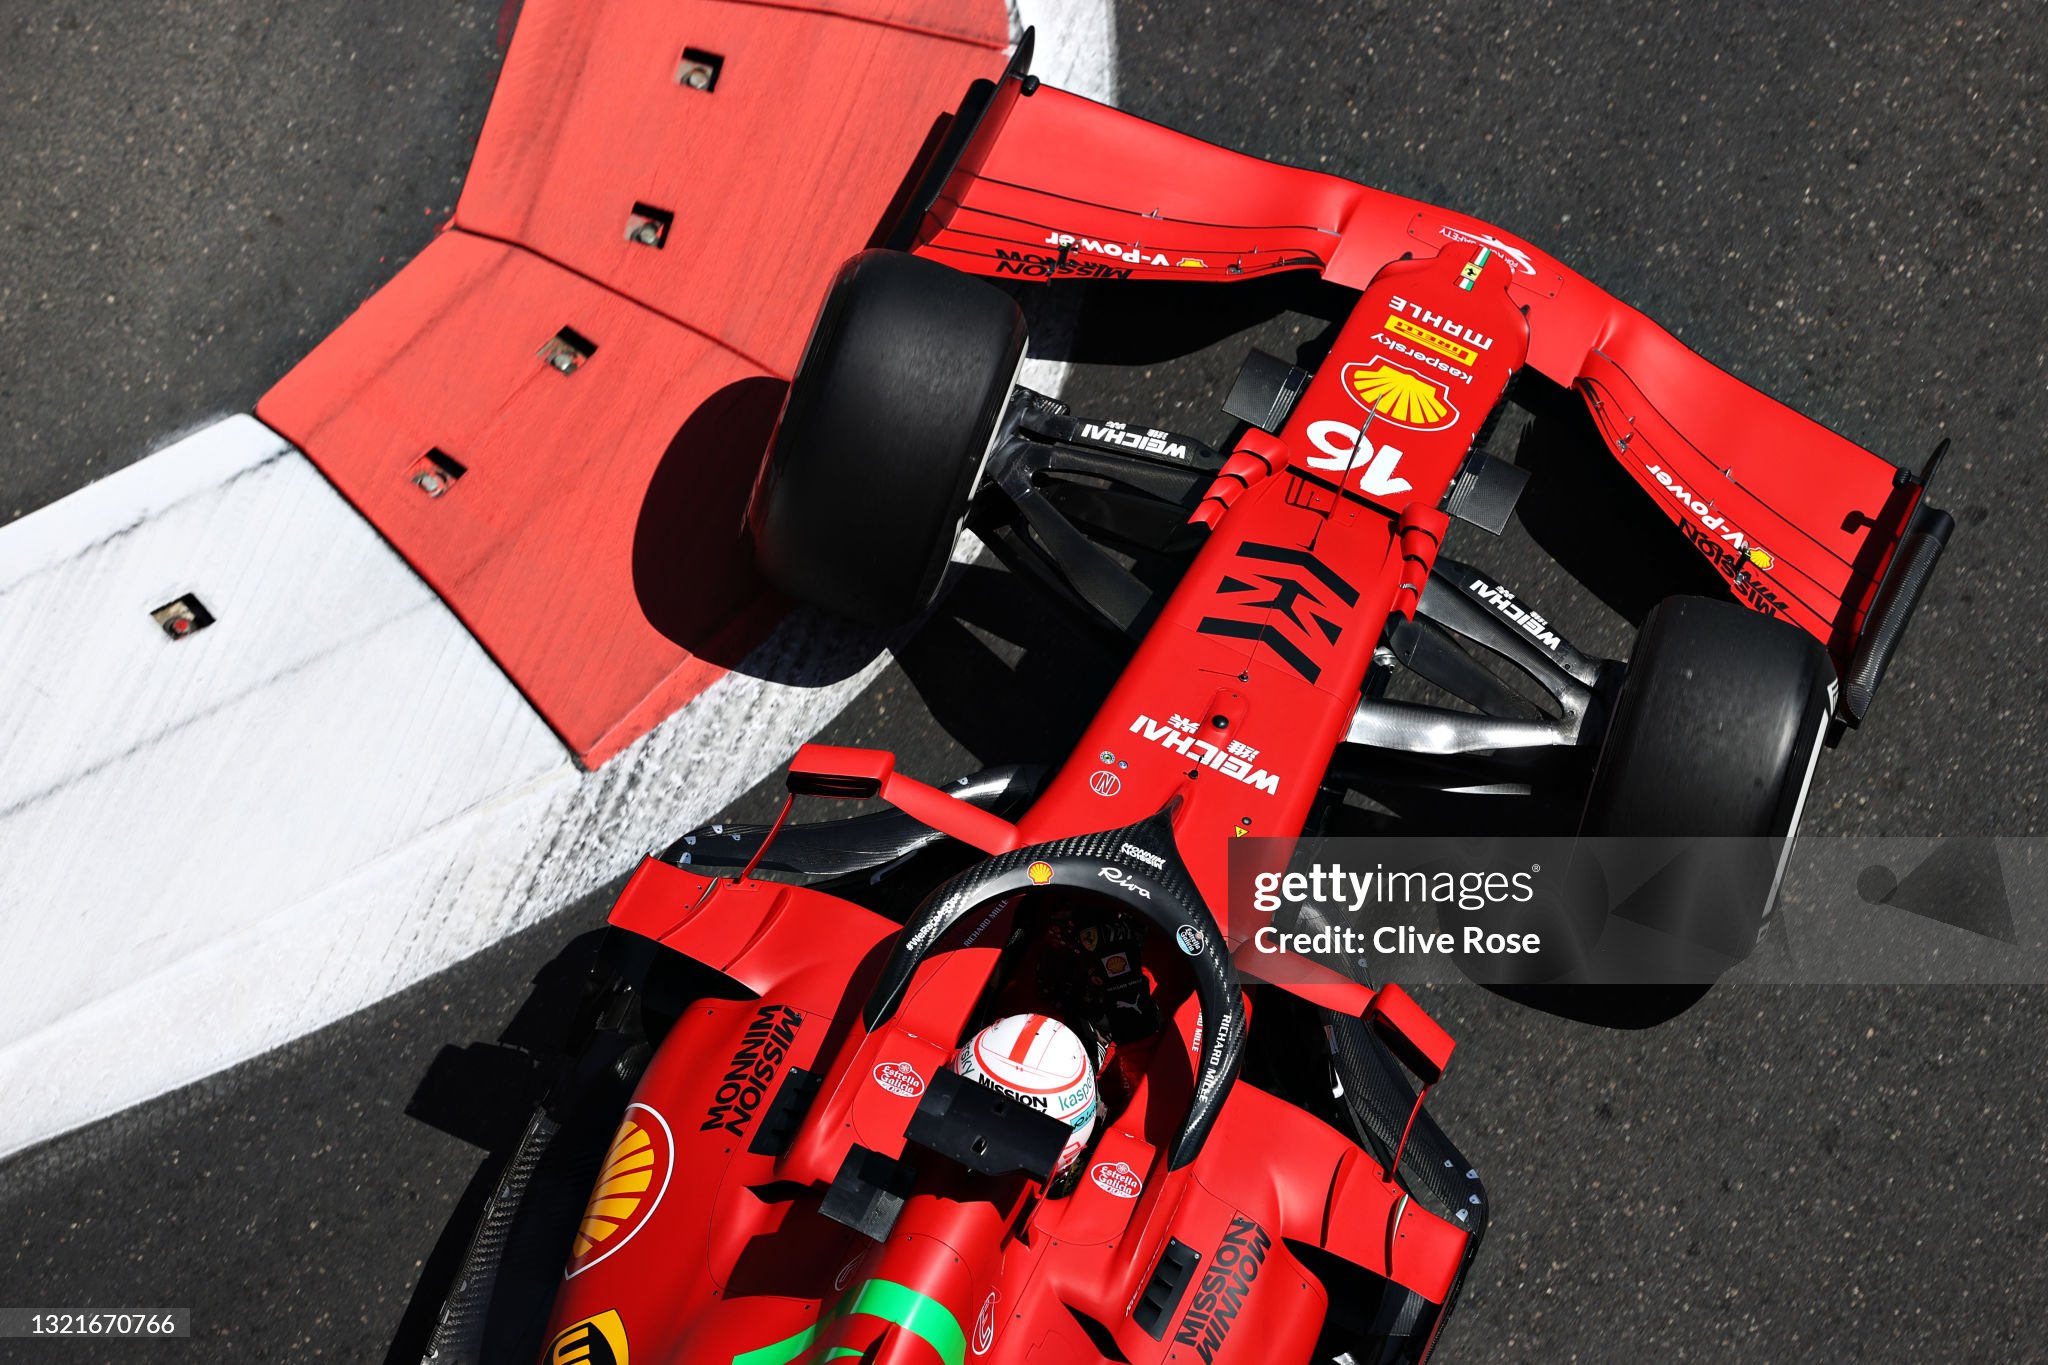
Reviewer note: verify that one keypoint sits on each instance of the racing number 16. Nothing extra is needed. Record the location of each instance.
(1345, 448)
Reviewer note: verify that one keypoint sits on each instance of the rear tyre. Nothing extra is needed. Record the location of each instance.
(888, 422)
(504, 1290)
(1715, 737)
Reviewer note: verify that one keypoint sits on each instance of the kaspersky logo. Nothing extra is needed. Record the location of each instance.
(629, 1187)
(1397, 395)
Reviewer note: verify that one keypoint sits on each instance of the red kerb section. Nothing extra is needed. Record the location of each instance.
(601, 341)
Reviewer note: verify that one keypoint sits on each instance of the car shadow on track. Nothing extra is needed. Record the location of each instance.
(1012, 675)
(483, 1094)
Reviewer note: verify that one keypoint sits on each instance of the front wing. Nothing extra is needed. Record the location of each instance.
(1801, 523)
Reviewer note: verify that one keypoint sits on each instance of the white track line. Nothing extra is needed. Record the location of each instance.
(216, 845)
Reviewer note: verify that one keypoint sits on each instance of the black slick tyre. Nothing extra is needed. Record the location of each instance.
(888, 422)
(1694, 801)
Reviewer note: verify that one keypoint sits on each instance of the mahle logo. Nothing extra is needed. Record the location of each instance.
(1400, 396)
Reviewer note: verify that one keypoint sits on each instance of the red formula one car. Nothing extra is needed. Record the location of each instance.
(792, 1160)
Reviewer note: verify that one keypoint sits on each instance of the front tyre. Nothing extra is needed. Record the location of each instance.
(889, 419)
(1695, 799)
(1716, 731)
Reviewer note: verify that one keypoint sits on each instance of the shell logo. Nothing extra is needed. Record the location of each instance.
(1759, 556)
(1400, 396)
(1039, 873)
(629, 1186)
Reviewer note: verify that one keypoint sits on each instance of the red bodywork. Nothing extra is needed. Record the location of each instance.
(1233, 704)
(708, 1259)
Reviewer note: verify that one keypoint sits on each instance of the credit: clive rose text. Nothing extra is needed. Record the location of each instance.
(1333, 886)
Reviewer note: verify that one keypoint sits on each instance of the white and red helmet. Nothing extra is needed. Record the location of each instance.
(1038, 1061)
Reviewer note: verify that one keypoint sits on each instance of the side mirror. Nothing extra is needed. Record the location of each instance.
(1415, 1039)
(831, 770)
(1418, 1042)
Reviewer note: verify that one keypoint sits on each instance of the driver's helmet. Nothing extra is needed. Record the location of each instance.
(1038, 1061)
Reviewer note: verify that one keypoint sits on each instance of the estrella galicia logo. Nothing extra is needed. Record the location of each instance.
(763, 1049)
(1226, 1284)
(1302, 593)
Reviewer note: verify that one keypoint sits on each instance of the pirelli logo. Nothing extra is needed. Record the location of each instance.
(1422, 336)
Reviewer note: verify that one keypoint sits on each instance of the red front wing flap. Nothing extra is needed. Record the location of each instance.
(1800, 522)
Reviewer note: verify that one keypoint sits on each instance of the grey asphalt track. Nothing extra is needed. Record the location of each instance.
(195, 192)
(1843, 204)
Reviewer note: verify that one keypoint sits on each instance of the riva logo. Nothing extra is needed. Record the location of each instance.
(1226, 1284)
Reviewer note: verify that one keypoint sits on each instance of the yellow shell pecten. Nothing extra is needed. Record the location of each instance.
(1395, 393)
(621, 1185)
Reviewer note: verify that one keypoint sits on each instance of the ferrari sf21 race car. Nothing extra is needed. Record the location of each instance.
(989, 1072)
